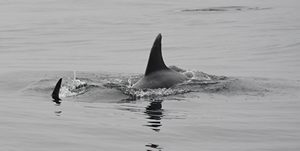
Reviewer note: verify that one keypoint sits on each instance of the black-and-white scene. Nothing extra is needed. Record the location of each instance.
(141, 75)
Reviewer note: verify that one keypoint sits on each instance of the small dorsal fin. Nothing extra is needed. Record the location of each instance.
(55, 93)
(155, 61)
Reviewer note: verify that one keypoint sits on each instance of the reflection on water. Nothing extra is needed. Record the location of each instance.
(57, 111)
(57, 102)
(155, 113)
(153, 146)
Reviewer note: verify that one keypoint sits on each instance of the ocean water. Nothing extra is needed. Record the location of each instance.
(242, 57)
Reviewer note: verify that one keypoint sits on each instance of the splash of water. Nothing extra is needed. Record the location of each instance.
(73, 88)
(195, 79)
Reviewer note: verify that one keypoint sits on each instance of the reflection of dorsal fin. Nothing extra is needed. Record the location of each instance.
(156, 62)
(55, 93)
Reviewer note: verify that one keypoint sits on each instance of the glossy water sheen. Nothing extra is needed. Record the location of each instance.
(255, 43)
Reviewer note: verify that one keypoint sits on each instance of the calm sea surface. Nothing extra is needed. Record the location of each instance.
(256, 43)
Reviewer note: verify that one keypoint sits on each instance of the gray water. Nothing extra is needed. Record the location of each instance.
(253, 44)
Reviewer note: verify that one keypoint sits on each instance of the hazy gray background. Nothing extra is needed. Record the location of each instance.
(117, 36)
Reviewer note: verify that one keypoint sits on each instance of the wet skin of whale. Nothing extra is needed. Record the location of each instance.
(157, 74)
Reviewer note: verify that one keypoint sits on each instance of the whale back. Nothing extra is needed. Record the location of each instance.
(155, 61)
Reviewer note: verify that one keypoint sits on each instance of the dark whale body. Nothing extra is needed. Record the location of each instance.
(55, 93)
(157, 74)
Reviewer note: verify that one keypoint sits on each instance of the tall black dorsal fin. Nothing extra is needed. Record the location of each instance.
(155, 61)
(55, 93)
